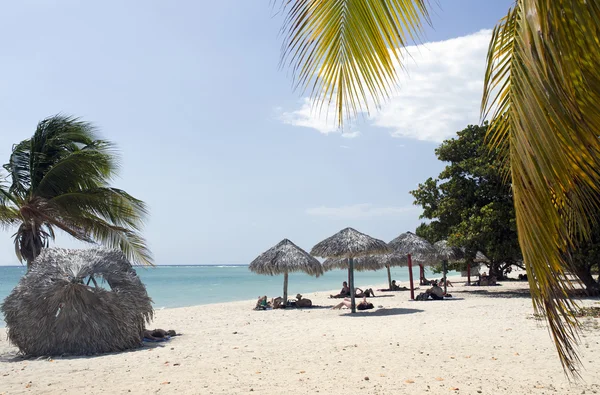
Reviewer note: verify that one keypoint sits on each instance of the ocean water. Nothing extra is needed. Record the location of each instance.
(181, 286)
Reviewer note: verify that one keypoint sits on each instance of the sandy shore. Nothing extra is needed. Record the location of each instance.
(484, 342)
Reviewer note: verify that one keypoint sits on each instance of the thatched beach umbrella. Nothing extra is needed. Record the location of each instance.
(415, 248)
(350, 244)
(53, 310)
(284, 258)
(369, 262)
(447, 254)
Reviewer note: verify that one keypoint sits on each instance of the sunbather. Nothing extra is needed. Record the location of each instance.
(158, 334)
(364, 305)
(360, 293)
(344, 292)
(395, 287)
(300, 302)
(262, 304)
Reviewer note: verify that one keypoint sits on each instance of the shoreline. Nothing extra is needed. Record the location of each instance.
(484, 341)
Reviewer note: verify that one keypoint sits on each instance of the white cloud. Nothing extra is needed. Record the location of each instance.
(311, 116)
(359, 211)
(439, 92)
(344, 146)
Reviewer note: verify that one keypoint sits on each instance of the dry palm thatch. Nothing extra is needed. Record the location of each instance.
(481, 258)
(53, 310)
(421, 251)
(284, 258)
(448, 253)
(350, 243)
(369, 262)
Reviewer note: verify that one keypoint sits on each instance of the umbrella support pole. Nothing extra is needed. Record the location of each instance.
(410, 278)
(285, 286)
(351, 278)
(468, 273)
(389, 277)
(445, 268)
(421, 275)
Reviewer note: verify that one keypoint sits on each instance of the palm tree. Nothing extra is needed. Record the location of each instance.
(541, 92)
(58, 179)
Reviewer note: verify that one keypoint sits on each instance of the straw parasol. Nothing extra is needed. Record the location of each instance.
(350, 244)
(284, 258)
(369, 262)
(447, 254)
(416, 249)
(53, 310)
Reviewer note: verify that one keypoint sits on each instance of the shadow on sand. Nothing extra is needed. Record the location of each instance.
(16, 357)
(383, 312)
(517, 293)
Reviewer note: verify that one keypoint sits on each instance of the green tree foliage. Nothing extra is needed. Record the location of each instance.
(470, 204)
(59, 179)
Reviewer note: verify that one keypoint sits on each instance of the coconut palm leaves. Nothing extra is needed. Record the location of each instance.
(346, 51)
(542, 87)
(58, 179)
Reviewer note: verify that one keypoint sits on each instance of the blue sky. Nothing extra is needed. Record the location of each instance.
(211, 134)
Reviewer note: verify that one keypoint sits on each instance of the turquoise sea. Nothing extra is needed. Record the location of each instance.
(180, 286)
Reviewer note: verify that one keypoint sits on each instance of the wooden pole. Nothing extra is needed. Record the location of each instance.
(351, 272)
(469, 273)
(410, 278)
(389, 277)
(421, 275)
(285, 283)
(445, 267)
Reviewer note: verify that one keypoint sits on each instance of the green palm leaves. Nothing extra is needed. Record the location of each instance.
(59, 179)
(345, 52)
(542, 87)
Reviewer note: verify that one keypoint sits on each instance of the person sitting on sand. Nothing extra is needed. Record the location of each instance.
(435, 292)
(344, 292)
(262, 304)
(158, 334)
(302, 302)
(364, 305)
(359, 292)
(446, 281)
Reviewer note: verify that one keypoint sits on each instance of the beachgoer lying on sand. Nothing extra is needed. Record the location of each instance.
(262, 304)
(395, 287)
(359, 293)
(302, 302)
(364, 305)
(277, 303)
(158, 334)
(344, 292)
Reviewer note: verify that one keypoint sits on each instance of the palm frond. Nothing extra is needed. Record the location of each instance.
(542, 62)
(347, 51)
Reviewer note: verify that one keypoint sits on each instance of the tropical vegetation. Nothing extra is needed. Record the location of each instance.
(542, 86)
(470, 204)
(59, 180)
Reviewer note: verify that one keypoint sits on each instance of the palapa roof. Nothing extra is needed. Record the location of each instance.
(286, 257)
(480, 258)
(52, 310)
(368, 262)
(421, 251)
(452, 254)
(349, 243)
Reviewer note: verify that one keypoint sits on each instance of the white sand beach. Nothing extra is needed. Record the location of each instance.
(486, 341)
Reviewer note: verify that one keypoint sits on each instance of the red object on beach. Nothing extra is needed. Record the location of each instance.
(410, 278)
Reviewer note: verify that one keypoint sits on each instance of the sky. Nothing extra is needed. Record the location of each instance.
(212, 136)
